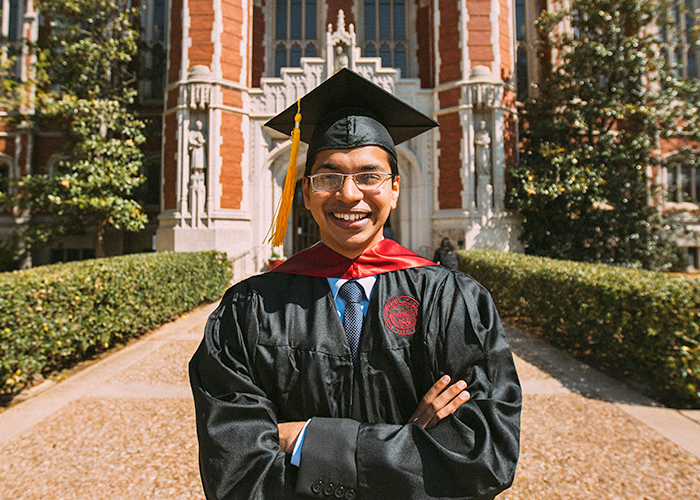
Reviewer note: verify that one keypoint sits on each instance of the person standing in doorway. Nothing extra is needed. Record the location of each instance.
(447, 256)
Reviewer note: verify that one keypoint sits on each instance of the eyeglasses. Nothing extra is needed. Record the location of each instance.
(363, 180)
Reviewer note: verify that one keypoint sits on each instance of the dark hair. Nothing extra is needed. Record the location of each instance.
(393, 164)
(447, 245)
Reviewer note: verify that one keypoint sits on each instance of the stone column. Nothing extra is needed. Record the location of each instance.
(204, 128)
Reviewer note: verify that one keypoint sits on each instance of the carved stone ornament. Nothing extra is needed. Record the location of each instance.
(484, 90)
(198, 88)
(341, 46)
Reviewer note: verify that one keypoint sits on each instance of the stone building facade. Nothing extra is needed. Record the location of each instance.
(220, 68)
(233, 64)
(224, 67)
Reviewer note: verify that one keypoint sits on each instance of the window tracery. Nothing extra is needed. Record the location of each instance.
(295, 33)
(385, 33)
(153, 53)
(11, 13)
(680, 37)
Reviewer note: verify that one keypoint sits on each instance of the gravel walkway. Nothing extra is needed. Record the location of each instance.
(124, 429)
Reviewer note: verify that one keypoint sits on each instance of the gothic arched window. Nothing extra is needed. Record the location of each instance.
(10, 31)
(295, 33)
(153, 34)
(682, 181)
(385, 33)
(680, 37)
(526, 62)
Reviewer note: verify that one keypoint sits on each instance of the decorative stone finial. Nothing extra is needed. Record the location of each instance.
(341, 20)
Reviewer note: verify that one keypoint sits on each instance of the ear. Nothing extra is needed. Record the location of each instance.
(305, 191)
(395, 192)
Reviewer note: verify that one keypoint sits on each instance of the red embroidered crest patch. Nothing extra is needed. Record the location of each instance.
(401, 315)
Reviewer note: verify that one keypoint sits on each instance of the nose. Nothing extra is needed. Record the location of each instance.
(349, 191)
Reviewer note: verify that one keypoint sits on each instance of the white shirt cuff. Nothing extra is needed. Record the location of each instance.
(296, 453)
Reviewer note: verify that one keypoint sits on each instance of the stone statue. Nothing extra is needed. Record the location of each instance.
(196, 146)
(482, 143)
(341, 58)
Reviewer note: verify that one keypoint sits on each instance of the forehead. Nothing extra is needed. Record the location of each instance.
(361, 158)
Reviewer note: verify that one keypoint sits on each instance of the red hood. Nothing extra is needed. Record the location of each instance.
(319, 260)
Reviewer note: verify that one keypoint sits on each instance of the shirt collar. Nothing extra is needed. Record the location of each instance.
(367, 283)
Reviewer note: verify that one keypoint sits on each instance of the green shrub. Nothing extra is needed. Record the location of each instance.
(631, 323)
(52, 317)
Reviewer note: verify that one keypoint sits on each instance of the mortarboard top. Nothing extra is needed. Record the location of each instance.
(348, 111)
(344, 112)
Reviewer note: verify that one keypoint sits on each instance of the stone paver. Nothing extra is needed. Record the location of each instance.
(123, 428)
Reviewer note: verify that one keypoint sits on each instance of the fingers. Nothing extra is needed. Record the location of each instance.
(440, 401)
(422, 414)
(434, 392)
(450, 407)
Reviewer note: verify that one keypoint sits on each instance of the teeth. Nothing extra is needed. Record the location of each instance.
(349, 217)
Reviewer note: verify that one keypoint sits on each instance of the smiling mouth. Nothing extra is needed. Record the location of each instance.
(350, 217)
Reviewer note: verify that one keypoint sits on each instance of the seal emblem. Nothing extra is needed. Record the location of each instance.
(401, 315)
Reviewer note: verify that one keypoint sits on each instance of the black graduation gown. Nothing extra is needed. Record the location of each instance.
(275, 351)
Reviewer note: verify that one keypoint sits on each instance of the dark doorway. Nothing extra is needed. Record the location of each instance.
(305, 229)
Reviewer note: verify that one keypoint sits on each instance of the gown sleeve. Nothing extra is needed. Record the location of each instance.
(471, 454)
(239, 452)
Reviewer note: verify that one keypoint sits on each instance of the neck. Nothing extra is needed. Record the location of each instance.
(355, 252)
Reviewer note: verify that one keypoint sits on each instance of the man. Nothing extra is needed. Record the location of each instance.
(356, 369)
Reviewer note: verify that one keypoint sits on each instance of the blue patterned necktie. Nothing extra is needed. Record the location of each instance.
(351, 292)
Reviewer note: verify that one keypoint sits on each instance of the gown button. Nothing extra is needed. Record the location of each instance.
(328, 489)
(339, 492)
(317, 487)
(350, 494)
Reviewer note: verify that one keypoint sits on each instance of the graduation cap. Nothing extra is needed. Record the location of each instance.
(344, 112)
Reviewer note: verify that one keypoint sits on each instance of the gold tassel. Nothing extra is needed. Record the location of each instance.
(278, 228)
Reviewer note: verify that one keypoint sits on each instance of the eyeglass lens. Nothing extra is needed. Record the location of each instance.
(334, 182)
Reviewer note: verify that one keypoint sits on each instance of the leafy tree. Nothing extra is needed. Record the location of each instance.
(591, 137)
(85, 78)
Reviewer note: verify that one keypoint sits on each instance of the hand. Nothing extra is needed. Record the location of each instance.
(439, 402)
(289, 432)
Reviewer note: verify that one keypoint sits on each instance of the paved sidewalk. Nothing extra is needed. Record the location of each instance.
(123, 428)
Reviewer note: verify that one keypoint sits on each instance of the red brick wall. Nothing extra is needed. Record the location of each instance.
(505, 38)
(7, 145)
(332, 13)
(258, 51)
(175, 41)
(232, 60)
(44, 148)
(479, 28)
(448, 43)
(232, 98)
(170, 163)
(450, 162)
(232, 156)
(172, 98)
(450, 98)
(424, 33)
(673, 144)
(201, 23)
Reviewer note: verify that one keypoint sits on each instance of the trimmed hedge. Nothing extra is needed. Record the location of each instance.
(631, 323)
(52, 317)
